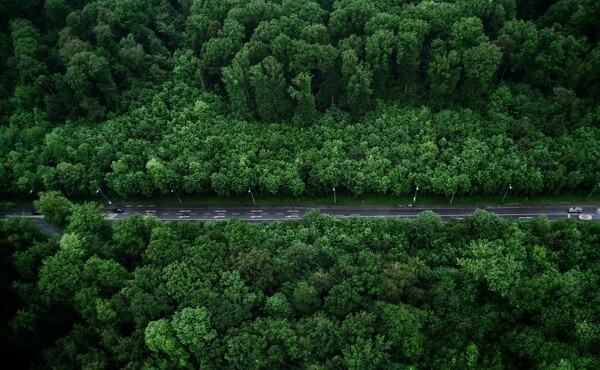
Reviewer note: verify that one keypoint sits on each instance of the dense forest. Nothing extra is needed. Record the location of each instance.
(318, 293)
(291, 97)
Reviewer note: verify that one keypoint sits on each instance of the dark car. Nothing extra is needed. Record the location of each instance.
(117, 210)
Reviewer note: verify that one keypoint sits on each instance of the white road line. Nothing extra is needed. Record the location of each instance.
(257, 210)
(292, 211)
(529, 214)
(274, 219)
(236, 213)
(185, 210)
(164, 213)
(220, 210)
(150, 211)
(151, 205)
(128, 205)
(256, 216)
(223, 219)
(470, 214)
(184, 216)
(139, 205)
(294, 216)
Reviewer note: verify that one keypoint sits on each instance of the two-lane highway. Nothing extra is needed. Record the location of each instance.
(282, 213)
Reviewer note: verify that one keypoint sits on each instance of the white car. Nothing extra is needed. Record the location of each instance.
(575, 209)
(585, 217)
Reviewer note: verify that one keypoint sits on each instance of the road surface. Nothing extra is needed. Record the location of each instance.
(280, 213)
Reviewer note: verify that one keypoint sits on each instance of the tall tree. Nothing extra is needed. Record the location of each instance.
(55, 208)
(270, 90)
(301, 91)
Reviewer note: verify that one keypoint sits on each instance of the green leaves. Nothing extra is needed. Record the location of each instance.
(161, 339)
(306, 299)
(55, 208)
(467, 33)
(444, 74)
(162, 175)
(60, 275)
(359, 293)
(268, 82)
(405, 282)
(237, 83)
(403, 330)
(193, 329)
(367, 354)
(155, 79)
(278, 306)
(493, 263)
(301, 91)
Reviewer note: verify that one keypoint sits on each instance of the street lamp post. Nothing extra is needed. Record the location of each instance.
(415, 197)
(334, 198)
(179, 199)
(593, 190)
(506, 192)
(101, 192)
(252, 195)
(452, 198)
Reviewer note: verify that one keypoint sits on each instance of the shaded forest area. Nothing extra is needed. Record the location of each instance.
(140, 97)
(318, 293)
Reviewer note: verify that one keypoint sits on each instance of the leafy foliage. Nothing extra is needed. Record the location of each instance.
(316, 293)
(294, 97)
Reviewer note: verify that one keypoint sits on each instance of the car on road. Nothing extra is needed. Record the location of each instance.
(575, 209)
(117, 210)
(585, 217)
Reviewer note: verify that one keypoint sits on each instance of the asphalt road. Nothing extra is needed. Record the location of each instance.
(278, 213)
